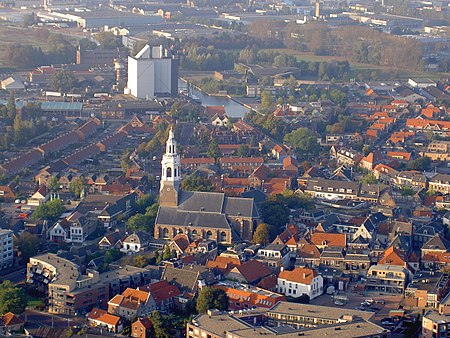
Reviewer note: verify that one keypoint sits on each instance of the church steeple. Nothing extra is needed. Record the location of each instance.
(171, 173)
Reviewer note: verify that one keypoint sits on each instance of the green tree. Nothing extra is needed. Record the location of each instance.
(407, 191)
(167, 254)
(264, 234)
(266, 100)
(213, 150)
(53, 184)
(212, 298)
(63, 81)
(196, 182)
(369, 179)
(12, 298)
(144, 202)
(304, 141)
(243, 150)
(161, 326)
(275, 213)
(77, 185)
(140, 261)
(366, 150)
(50, 210)
(107, 40)
(420, 164)
(125, 160)
(11, 106)
(140, 222)
(28, 245)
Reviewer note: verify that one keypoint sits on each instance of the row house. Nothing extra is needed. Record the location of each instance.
(427, 289)
(440, 183)
(411, 178)
(193, 163)
(250, 162)
(249, 298)
(438, 127)
(435, 253)
(345, 156)
(438, 151)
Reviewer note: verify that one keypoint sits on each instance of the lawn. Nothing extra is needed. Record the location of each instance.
(34, 302)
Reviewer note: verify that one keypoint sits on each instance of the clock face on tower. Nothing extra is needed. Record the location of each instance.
(168, 189)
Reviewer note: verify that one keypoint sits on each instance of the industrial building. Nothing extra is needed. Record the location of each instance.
(152, 72)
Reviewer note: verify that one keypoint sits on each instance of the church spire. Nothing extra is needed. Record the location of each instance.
(171, 173)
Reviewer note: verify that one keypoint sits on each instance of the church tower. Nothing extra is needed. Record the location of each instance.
(171, 174)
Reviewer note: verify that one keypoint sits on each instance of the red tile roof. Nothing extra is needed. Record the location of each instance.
(10, 319)
(252, 270)
(328, 239)
(299, 275)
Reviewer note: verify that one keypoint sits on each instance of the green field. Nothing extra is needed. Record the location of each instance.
(355, 66)
(25, 36)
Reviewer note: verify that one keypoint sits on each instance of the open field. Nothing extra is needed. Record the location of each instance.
(25, 36)
(355, 66)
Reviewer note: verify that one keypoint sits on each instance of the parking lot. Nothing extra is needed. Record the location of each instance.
(391, 302)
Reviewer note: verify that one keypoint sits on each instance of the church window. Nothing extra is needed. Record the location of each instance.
(165, 233)
(194, 233)
(209, 234)
(223, 236)
(169, 172)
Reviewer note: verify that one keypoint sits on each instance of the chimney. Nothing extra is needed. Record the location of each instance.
(304, 275)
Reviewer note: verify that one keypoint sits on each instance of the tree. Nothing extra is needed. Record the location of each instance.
(196, 182)
(77, 185)
(420, 164)
(213, 150)
(369, 179)
(304, 140)
(11, 106)
(107, 40)
(28, 245)
(266, 100)
(53, 184)
(140, 261)
(12, 298)
(167, 254)
(140, 222)
(29, 19)
(264, 234)
(50, 210)
(243, 150)
(275, 213)
(144, 202)
(161, 326)
(407, 191)
(125, 159)
(63, 81)
(212, 298)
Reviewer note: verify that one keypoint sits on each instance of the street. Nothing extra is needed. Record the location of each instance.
(34, 319)
(15, 277)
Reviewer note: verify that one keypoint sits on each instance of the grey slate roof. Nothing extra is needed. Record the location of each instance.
(174, 216)
(201, 201)
(238, 206)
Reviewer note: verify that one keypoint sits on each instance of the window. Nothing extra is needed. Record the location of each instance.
(169, 172)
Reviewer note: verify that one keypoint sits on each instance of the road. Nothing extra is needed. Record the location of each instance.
(35, 319)
(16, 277)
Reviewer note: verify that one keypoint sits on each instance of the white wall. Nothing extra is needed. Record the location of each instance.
(292, 289)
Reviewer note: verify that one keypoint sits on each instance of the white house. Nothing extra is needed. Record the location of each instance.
(135, 243)
(60, 231)
(300, 281)
(41, 196)
(276, 256)
(220, 120)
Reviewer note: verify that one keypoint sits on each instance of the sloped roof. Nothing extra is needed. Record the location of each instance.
(252, 270)
(437, 242)
(299, 275)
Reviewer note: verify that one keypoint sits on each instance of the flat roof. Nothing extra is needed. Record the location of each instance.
(60, 106)
(344, 330)
(317, 311)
